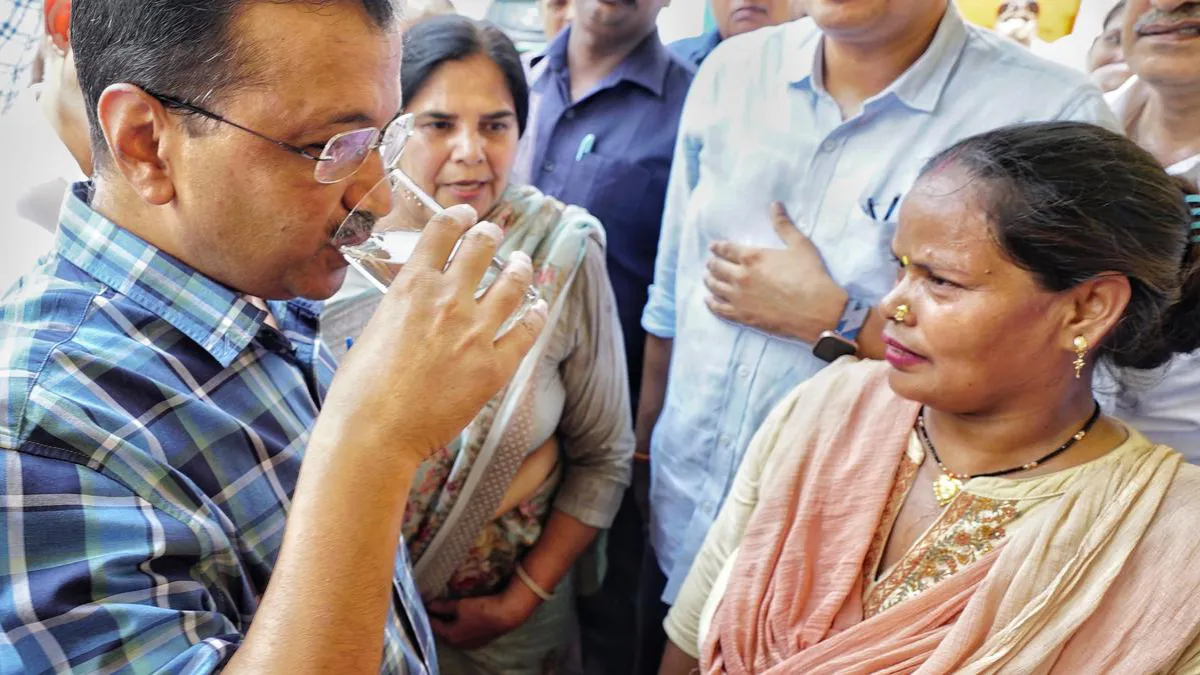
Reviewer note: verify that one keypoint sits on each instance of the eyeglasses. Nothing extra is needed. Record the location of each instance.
(342, 156)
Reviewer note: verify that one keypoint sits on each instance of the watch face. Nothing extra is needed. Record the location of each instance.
(832, 347)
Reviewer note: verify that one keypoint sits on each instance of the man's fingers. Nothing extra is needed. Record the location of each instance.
(508, 291)
(515, 344)
(728, 250)
(722, 309)
(785, 228)
(720, 289)
(723, 270)
(474, 255)
(441, 234)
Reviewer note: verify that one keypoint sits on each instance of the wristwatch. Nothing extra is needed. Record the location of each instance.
(842, 341)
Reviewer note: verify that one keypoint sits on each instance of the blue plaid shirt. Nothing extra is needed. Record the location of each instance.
(20, 37)
(151, 431)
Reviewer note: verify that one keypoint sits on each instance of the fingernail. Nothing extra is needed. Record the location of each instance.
(540, 307)
(492, 230)
(520, 256)
(463, 213)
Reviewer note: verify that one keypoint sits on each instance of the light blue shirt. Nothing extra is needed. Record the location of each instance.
(758, 126)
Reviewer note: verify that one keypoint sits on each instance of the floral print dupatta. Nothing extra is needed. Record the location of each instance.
(450, 518)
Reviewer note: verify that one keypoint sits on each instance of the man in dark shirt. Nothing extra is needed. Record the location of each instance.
(605, 103)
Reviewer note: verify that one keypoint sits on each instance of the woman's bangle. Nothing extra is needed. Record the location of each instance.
(533, 585)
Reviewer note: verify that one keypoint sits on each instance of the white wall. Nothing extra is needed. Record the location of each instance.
(471, 8)
(683, 18)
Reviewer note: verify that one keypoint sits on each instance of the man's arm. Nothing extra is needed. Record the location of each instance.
(656, 365)
(658, 318)
(134, 579)
(327, 603)
(96, 576)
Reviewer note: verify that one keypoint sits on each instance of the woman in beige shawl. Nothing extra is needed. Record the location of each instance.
(964, 507)
(502, 523)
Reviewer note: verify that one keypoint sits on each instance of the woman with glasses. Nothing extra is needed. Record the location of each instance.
(964, 506)
(507, 606)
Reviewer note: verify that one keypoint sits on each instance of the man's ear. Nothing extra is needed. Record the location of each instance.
(135, 125)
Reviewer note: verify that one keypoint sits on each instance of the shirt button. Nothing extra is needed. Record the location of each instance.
(828, 146)
(726, 441)
(548, 167)
(743, 371)
(570, 114)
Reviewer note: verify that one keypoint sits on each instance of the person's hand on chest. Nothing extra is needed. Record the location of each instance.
(786, 291)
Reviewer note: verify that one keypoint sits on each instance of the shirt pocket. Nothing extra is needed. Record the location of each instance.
(861, 260)
(618, 192)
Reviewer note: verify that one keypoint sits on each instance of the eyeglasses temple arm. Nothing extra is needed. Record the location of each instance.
(176, 103)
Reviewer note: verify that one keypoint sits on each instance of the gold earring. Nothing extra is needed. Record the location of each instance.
(1081, 347)
(900, 314)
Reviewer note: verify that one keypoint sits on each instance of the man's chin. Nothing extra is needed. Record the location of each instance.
(320, 287)
(1169, 75)
(744, 26)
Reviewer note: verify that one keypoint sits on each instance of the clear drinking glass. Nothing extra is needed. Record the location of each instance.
(380, 233)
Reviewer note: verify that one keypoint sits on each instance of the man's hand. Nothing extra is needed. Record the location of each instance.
(787, 292)
(429, 359)
(424, 366)
(471, 623)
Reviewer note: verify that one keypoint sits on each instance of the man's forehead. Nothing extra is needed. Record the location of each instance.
(328, 61)
(315, 37)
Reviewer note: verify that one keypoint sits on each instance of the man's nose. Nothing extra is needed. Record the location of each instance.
(369, 189)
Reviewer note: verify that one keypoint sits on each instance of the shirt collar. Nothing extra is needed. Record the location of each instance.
(705, 46)
(220, 320)
(920, 87)
(646, 66)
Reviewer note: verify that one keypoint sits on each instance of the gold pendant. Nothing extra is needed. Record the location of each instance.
(946, 488)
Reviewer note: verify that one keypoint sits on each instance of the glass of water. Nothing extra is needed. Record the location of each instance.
(380, 233)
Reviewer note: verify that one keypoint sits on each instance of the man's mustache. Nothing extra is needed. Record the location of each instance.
(355, 229)
(1154, 16)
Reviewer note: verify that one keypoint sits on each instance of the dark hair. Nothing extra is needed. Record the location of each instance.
(1070, 201)
(1113, 13)
(431, 42)
(179, 49)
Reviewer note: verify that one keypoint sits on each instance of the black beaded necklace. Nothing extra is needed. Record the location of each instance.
(949, 484)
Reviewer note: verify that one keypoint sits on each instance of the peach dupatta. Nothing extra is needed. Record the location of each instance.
(1104, 581)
